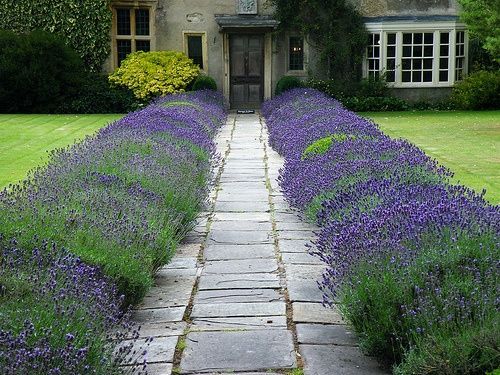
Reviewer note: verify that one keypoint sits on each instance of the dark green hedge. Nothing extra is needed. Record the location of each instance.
(84, 24)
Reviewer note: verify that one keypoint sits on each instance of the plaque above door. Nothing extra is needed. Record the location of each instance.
(247, 6)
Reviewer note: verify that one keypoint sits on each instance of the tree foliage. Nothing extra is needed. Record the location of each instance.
(483, 19)
(334, 27)
(84, 24)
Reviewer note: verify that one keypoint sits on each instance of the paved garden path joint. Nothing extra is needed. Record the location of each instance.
(241, 296)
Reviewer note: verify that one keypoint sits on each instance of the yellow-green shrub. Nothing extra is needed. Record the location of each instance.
(150, 74)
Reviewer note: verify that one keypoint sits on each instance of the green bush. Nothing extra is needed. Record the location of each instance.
(152, 74)
(322, 145)
(38, 72)
(374, 104)
(286, 83)
(98, 96)
(83, 24)
(203, 82)
(480, 90)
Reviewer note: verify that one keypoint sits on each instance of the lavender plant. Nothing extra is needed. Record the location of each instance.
(411, 260)
(82, 237)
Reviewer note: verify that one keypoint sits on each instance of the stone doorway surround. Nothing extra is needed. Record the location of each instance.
(247, 25)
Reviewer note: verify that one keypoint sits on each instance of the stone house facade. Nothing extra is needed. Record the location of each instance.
(420, 45)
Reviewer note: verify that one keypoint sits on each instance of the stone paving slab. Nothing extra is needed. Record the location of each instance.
(331, 359)
(239, 323)
(295, 235)
(239, 237)
(238, 351)
(161, 349)
(260, 196)
(237, 295)
(242, 281)
(161, 329)
(228, 252)
(242, 225)
(224, 310)
(171, 314)
(240, 266)
(293, 246)
(304, 290)
(156, 299)
(260, 207)
(231, 216)
(159, 368)
(300, 258)
(332, 334)
(301, 271)
(305, 312)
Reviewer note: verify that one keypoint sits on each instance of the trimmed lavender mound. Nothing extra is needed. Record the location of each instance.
(411, 260)
(82, 237)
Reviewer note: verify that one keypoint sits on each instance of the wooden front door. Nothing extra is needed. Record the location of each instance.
(246, 56)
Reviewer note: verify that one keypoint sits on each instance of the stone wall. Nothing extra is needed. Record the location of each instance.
(378, 8)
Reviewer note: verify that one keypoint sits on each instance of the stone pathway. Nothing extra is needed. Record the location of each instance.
(240, 296)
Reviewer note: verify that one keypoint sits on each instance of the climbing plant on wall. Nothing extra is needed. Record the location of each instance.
(85, 24)
(334, 27)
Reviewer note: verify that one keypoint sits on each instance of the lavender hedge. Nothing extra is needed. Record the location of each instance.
(411, 260)
(82, 237)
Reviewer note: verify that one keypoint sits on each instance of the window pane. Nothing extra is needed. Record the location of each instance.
(296, 53)
(390, 77)
(391, 38)
(443, 76)
(407, 51)
(445, 38)
(407, 37)
(417, 38)
(376, 52)
(443, 63)
(428, 76)
(406, 76)
(391, 51)
(428, 51)
(124, 47)
(427, 63)
(417, 77)
(376, 39)
(195, 49)
(142, 22)
(429, 38)
(143, 45)
(122, 21)
(417, 64)
(443, 50)
(391, 64)
(417, 51)
(406, 64)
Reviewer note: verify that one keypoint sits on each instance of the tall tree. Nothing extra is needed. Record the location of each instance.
(334, 27)
(483, 19)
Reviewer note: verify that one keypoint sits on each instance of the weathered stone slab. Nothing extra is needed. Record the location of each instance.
(159, 368)
(243, 178)
(326, 334)
(165, 274)
(242, 206)
(230, 216)
(161, 349)
(170, 314)
(242, 225)
(304, 312)
(304, 290)
(246, 196)
(242, 186)
(181, 263)
(304, 271)
(245, 281)
(282, 217)
(300, 258)
(284, 225)
(295, 235)
(331, 359)
(157, 299)
(162, 329)
(248, 323)
(240, 266)
(293, 246)
(239, 237)
(227, 252)
(237, 295)
(188, 250)
(238, 351)
(173, 286)
(221, 310)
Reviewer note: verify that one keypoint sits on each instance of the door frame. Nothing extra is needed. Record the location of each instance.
(267, 79)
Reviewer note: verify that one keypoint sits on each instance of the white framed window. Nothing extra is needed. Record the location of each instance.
(422, 54)
(132, 30)
(296, 58)
(195, 47)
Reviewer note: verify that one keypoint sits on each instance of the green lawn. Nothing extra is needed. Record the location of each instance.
(466, 142)
(26, 139)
